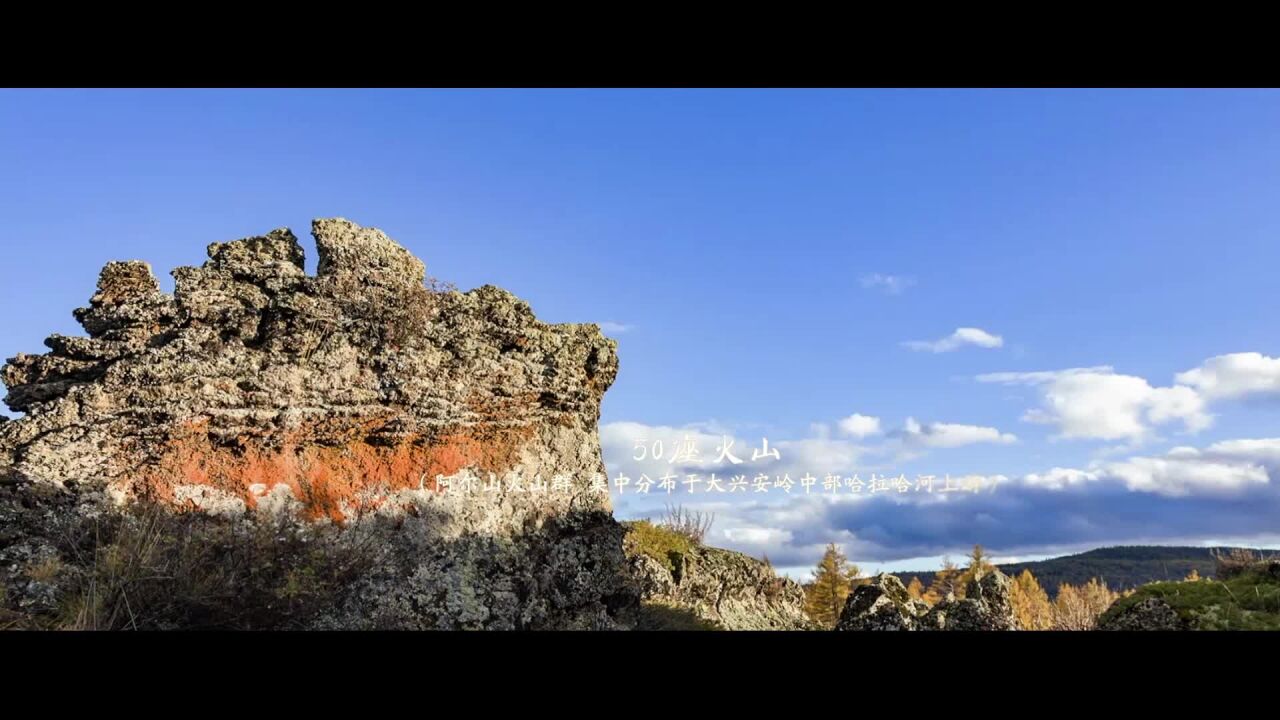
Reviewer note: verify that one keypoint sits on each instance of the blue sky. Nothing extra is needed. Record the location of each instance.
(765, 258)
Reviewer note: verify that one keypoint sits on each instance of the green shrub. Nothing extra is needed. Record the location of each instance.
(1247, 601)
(660, 543)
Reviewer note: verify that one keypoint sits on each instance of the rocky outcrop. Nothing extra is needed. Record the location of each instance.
(884, 604)
(1147, 614)
(987, 605)
(1244, 595)
(708, 588)
(456, 423)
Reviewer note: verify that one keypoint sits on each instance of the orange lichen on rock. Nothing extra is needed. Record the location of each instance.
(328, 480)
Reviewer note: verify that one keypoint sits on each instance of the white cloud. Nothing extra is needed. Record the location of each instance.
(1035, 378)
(1234, 376)
(1223, 469)
(1100, 404)
(1059, 478)
(1183, 476)
(956, 340)
(860, 426)
(951, 435)
(757, 536)
(615, 328)
(1266, 451)
(890, 284)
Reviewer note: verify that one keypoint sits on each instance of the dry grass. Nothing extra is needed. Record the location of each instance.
(45, 571)
(1236, 561)
(1078, 608)
(156, 570)
(693, 525)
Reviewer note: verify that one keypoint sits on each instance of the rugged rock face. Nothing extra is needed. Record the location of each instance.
(456, 421)
(882, 604)
(709, 588)
(987, 605)
(885, 605)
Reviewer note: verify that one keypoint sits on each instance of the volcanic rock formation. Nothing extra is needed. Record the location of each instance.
(884, 604)
(717, 589)
(457, 421)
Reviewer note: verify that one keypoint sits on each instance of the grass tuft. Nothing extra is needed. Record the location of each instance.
(153, 569)
(660, 543)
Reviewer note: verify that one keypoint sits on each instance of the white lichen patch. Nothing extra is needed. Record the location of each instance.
(275, 501)
(208, 500)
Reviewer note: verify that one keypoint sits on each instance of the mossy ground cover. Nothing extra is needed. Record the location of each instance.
(1250, 601)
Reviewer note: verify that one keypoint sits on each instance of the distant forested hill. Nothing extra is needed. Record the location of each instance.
(1120, 567)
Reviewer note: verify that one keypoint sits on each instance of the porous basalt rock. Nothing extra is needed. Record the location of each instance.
(355, 395)
(710, 588)
(884, 604)
(987, 605)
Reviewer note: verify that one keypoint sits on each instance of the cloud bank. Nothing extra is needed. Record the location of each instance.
(1184, 495)
(1227, 489)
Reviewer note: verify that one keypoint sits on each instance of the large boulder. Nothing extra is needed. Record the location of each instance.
(882, 604)
(1146, 614)
(456, 425)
